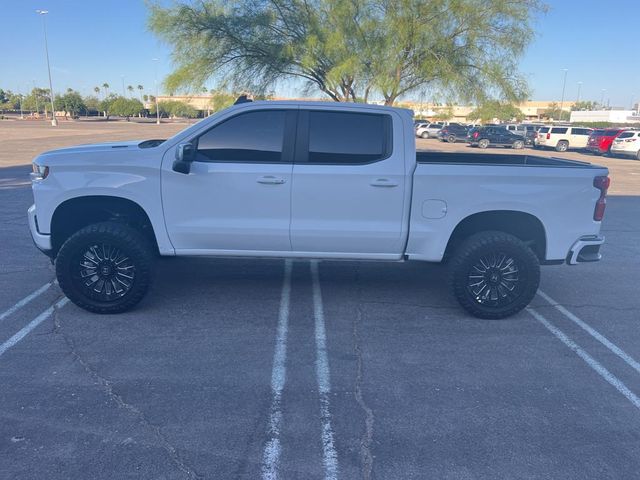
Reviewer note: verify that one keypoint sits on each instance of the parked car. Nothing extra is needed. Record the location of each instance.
(522, 128)
(430, 131)
(454, 132)
(627, 144)
(563, 138)
(353, 187)
(600, 140)
(484, 137)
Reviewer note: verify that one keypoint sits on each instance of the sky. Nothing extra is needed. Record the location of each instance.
(92, 42)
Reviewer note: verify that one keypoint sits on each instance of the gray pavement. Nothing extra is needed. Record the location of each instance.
(182, 387)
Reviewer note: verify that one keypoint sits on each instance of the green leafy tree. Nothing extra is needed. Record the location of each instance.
(105, 105)
(584, 105)
(496, 110)
(71, 103)
(444, 114)
(351, 49)
(92, 104)
(126, 107)
(176, 109)
(554, 112)
(36, 100)
(221, 100)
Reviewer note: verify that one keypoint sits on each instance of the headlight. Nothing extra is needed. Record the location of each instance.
(40, 172)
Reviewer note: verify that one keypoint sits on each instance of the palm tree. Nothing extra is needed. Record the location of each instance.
(130, 89)
(140, 88)
(97, 90)
(105, 85)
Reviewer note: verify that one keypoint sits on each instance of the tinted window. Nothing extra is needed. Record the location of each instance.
(626, 135)
(544, 130)
(610, 133)
(559, 130)
(580, 131)
(248, 137)
(339, 137)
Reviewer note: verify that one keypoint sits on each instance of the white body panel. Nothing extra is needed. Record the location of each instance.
(318, 210)
(628, 145)
(562, 199)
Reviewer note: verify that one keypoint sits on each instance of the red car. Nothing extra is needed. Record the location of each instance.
(600, 140)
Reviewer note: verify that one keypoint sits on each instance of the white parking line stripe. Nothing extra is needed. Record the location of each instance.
(271, 457)
(592, 362)
(593, 332)
(330, 457)
(25, 300)
(24, 331)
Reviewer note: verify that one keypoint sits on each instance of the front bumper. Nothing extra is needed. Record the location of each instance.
(42, 241)
(586, 249)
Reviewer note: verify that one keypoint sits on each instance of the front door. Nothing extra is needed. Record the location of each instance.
(348, 194)
(237, 196)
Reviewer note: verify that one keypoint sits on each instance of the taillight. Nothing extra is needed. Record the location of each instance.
(476, 134)
(548, 136)
(601, 183)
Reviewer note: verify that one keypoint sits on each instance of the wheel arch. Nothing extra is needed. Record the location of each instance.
(525, 226)
(79, 212)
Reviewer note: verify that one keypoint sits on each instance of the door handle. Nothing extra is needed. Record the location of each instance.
(271, 180)
(383, 182)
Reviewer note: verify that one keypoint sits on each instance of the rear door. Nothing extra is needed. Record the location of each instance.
(348, 192)
(579, 137)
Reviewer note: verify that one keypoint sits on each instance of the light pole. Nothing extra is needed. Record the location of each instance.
(155, 80)
(564, 84)
(578, 97)
(54, 122)
(35, 94)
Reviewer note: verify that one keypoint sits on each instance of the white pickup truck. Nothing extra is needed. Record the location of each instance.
(311, 180)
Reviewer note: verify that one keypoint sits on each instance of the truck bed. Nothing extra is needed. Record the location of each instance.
(498, 159)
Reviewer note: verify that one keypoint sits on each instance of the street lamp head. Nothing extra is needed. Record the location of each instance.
(42, 12)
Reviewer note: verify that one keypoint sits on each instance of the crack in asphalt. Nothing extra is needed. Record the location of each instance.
(108, 389)
(367, 437)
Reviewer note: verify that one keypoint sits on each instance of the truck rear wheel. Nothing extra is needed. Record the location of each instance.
(494, 275)
(484, 143)
(105, 267)
(562, 146)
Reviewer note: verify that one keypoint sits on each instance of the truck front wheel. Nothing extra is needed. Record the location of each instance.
(494, 275)
(105, 267)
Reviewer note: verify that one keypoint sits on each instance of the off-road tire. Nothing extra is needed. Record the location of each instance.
(123, 238)
(484, 245)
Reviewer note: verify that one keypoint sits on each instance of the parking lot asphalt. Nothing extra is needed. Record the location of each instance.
(336, 369)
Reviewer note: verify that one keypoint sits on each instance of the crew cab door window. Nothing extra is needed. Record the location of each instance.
(348, 138)
(255, 137)
(349, 184)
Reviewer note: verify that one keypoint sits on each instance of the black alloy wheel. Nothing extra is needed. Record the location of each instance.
(494, 275)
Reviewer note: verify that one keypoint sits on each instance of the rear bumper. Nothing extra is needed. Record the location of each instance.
(595, 149)
(586, 249)
(42, 241)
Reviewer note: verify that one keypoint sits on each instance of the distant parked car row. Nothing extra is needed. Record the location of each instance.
(614, 141)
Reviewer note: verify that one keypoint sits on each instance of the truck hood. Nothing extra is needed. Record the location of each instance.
(95, 147)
